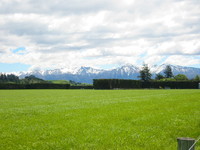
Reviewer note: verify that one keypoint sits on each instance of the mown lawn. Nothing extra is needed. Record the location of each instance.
(97, 119)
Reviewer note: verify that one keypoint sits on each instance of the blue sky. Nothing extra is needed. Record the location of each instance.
(98, 33)
(19, 50)
(13, 67)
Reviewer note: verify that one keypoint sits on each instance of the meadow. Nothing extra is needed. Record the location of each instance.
(97, 119)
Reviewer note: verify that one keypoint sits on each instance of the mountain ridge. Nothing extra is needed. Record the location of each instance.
(87, 74)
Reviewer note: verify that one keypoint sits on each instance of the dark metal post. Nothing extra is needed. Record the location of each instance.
(185, 143)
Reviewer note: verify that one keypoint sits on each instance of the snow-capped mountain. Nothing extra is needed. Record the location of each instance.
(87, 74)
(190, 72)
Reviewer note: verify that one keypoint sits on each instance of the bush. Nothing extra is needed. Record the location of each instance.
(181, 77)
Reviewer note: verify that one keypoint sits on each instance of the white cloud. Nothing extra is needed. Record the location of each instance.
(99, 32)
(182, 60)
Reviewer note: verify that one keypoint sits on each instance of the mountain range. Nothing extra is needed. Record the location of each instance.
(87, 74)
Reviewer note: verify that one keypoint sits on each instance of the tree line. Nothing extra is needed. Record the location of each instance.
(145, 75)
(11, 78)
(11, 81)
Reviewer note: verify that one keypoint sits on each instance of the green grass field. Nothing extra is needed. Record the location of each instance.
(97, 119)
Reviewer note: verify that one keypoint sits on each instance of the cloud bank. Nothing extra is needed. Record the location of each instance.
(96, 33)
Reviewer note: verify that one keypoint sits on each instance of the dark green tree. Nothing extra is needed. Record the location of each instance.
(159, 76)
(13, 78)
(168, 72)
(181, 77)
(145, 74)
(9, 78)
(196, 78)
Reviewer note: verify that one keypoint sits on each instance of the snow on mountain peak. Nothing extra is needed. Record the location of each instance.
(88, 70)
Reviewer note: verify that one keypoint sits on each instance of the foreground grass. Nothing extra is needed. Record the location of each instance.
(95, 119)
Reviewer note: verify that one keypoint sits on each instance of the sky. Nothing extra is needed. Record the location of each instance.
(40, 34)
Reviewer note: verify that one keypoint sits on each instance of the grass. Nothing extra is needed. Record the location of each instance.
(97, 119)
(59, 81)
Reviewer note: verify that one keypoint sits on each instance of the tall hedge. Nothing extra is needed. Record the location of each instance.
(34, 86)
(135, 84)
(81, 87)
(116, 83)
(171, 84)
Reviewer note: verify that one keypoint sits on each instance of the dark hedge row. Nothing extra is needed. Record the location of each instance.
(171, 84)
(135, 84)
(34, 86)
(116, 83)
(81, 87)
(108, 84)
